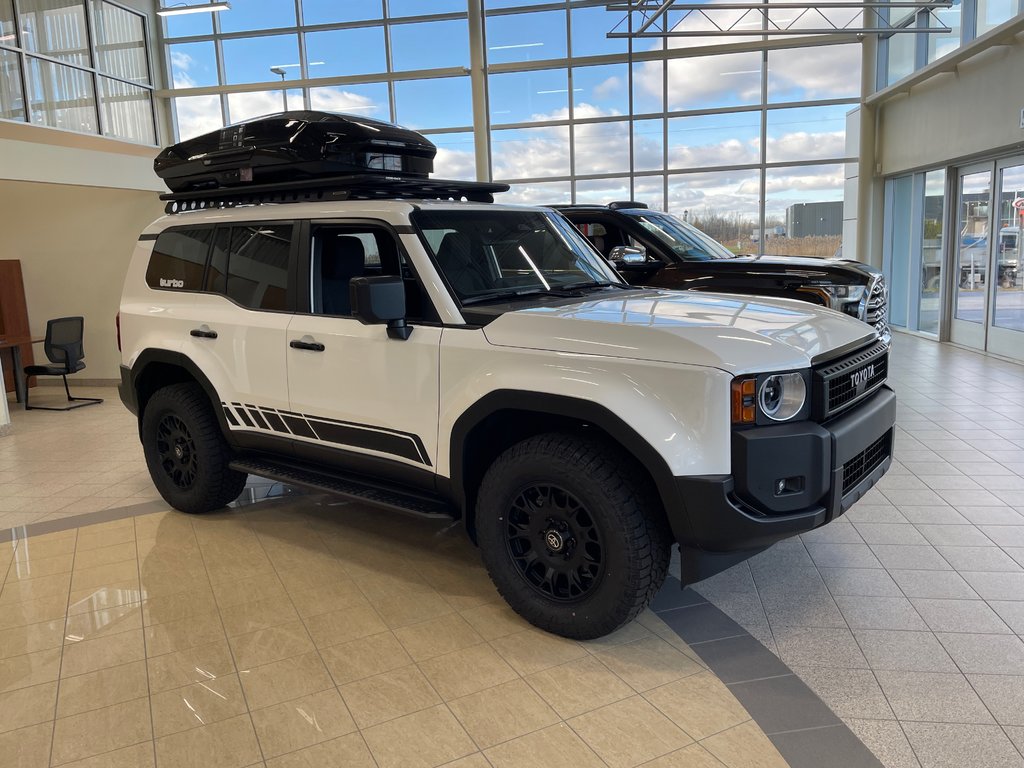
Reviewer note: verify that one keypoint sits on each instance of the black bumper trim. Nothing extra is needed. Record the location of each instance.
(126, 391)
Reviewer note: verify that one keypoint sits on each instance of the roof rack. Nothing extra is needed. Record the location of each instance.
(332, 188)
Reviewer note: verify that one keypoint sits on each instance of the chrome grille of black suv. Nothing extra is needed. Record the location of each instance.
(877, 314)
(865, 462)
(838, 385)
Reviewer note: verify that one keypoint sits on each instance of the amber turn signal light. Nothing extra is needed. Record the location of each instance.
(743, 409)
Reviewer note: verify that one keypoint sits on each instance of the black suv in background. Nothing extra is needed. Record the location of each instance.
(657, 249)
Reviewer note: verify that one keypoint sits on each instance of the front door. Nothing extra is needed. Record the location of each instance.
(971, 255)
(353, 389)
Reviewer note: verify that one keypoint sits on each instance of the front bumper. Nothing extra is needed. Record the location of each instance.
(727, 518)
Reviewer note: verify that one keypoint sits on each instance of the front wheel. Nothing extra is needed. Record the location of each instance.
(572, 538)
(185, 451)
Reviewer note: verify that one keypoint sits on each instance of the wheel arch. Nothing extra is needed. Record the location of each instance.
(157, 368)
(505, 417)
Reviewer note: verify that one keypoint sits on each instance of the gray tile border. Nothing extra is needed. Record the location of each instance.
(782, 705)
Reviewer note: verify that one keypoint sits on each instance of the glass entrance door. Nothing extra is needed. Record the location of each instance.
(971, 258)
(1006, 320)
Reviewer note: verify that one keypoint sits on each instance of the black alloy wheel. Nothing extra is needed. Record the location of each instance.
(554, 543)
(177, 451)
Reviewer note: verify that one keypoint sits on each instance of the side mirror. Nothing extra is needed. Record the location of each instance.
(377, 300)
(628, 254)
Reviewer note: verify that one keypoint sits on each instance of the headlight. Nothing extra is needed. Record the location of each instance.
(781, 396)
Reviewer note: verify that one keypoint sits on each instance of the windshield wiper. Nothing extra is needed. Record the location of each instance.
(591, 284)
(515, 294)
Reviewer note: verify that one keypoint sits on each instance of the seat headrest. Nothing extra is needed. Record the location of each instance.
(340, 255)
(454, 244)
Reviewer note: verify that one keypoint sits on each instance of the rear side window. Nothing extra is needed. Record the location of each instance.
(179, 259)
(249, 264)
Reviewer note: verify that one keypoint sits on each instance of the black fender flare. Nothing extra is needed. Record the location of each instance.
(579, 410)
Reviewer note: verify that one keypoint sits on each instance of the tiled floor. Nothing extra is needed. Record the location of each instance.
(303, 631)
(906, 617)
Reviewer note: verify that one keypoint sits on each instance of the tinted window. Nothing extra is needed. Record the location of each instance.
(257, 273)
(179, 258)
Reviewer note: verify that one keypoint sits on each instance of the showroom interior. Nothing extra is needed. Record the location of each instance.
(299, 628)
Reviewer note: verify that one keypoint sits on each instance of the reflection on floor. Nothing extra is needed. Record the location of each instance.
(906, 616)
(306, 631)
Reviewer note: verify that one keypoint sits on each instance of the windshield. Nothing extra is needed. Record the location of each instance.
(508, 253)
(686, 241)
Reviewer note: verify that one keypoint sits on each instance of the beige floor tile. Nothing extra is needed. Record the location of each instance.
(192, 706)
(333, 597)
(261, 614)
(310, 577)
(27, 706)
(476, 760)
(284, 680)
(494, 620)
(91, 655)
(26, 590)
(693, 756)
(365, 657)
(744, 746)
(31, 669)
(195, 665)
(102, 730)
(103, 688)
(502, 713)
(336, 627)
(264, 587)
(648, 663)
(31, 638)
(345, 752)
(632, 631)
(22, 569)
(136, 756)
(579, 686)
(92, 537)
(34, 611)
(388, 695)
(554, 747)
(629, 732)
(102, 622)
(178, 606)
(267, 645)
(420, 740)
(400, 610)
(27, 747)
(467, 671)
(302, 723)
(106, 596)
(533, 650)
(700, 704)
(174, 636)
(115, 553)
(227, 744)
(111, 574)
(47, 546)
(438, 637)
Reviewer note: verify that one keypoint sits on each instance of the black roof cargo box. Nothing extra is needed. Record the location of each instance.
(292, 146)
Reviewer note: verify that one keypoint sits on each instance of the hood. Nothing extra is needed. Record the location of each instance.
(813, 266)
(738, 334)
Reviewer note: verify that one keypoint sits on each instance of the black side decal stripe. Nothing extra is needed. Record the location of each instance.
(276, 422)
(383, 442)
(299, 427)
(230, 417)
(257, 417)
(244, 417)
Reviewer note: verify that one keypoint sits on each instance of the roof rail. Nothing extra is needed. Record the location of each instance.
(331, 188)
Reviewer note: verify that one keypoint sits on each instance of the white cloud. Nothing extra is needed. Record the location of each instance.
(804, 145)
(197, 115)
(454, 164)
(608, 88)
(340, 100)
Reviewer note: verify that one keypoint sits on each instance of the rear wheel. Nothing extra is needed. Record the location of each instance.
(571, 537)
(185, 451)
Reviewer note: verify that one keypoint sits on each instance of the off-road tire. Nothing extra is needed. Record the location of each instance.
(635, 541)
(208, 483)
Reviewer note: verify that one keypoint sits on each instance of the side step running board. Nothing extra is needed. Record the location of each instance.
(400, 500)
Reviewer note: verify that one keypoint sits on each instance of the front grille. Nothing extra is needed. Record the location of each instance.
(866, 462)
(877, 314)
(839, 385)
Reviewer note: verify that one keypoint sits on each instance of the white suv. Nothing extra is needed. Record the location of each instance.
(483, 361)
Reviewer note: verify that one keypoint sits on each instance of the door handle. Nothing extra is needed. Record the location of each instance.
(312, 346)
(203, 332)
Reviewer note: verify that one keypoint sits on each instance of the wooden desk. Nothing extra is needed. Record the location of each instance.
(15, 343)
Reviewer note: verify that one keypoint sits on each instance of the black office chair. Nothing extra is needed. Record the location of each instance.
(63, 346)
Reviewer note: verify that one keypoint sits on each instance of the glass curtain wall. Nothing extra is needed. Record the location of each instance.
(76, 65)
(915, 210)
(572, 116)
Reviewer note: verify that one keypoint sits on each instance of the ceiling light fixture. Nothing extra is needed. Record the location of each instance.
(176, 10)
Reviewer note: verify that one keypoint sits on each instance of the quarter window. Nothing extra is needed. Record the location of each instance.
(257, 274)
(178, 260)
